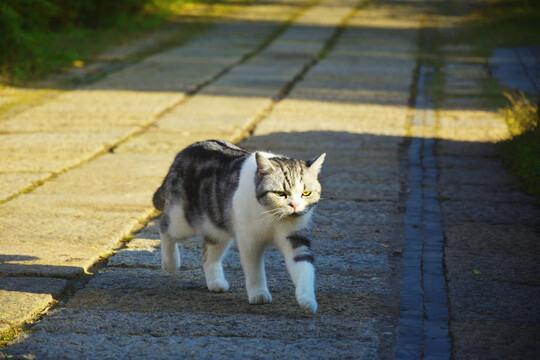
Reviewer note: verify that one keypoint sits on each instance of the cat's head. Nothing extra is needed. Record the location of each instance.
(287, 187)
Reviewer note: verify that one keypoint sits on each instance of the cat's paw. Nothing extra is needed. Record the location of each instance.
(220, 285)
(170, 266)
(260, 297)
(307, 303)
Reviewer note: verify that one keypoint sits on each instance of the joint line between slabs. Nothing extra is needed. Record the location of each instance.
(327, 48)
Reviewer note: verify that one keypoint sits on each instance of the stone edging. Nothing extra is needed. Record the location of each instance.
(424, 317)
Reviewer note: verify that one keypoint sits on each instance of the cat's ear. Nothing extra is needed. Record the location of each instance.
(316, 163)
(264, 166)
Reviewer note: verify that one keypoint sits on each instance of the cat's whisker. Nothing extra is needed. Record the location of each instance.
(269, 211)
(270, 218)
(271, 214)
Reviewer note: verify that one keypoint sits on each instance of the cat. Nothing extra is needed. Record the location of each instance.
(219, 191)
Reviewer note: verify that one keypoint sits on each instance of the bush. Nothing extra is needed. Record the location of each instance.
(94, 13)
(25, 25)
(16, 26)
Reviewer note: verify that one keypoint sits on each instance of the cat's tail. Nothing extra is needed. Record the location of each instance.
(162, 193)
(160, 196)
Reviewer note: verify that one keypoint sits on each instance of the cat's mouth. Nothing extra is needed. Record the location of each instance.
(297, 214)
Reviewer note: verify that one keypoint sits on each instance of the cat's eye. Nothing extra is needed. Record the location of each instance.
(280, 193)
(306, 193)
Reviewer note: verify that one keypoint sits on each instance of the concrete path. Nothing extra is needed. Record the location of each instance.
(296, 77)
(517, 68)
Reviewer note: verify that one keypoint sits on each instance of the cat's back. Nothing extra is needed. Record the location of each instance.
(207, 172)
(213, 151)
(204, 177)
(206, 157)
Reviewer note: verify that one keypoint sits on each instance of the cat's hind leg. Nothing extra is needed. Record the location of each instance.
(213, 251)
(173, 229)
(299, 260)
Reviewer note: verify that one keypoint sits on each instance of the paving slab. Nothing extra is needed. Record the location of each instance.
(22, 298)
(202, 347)
(11, 183)
(517, 68)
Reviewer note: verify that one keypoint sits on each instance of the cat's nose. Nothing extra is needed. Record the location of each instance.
(293, 205)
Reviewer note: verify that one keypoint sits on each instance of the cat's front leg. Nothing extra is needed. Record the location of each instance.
(300, 264)
(251, 256)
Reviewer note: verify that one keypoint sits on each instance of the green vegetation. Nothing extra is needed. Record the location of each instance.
(498, 23)
(521, 153)
(520, 115)
(7, 336)
(41, 36)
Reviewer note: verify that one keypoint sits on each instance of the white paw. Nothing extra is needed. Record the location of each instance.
(170, 265)
(220, 285)
(307, 302)
(260, 297)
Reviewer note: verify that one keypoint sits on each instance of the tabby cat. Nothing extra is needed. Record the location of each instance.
(219, 191)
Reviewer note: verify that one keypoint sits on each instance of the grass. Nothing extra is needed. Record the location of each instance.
(498, 23)
(8, 336)
(521, 153)
(521, 115)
